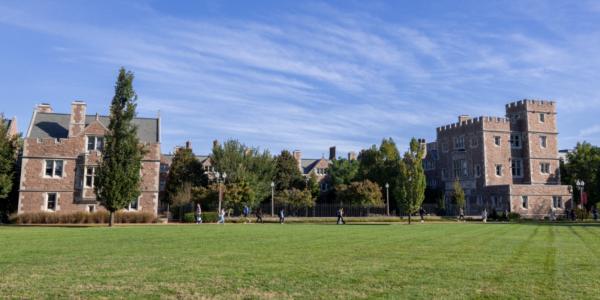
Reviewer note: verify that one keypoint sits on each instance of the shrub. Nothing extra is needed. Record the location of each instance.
(100, 217)
(174, 210)
(514, 216)
(210, 217)
(189, 218)
(581, 212)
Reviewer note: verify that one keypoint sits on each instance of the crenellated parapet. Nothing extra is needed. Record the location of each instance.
(531, 105)
(471, 125)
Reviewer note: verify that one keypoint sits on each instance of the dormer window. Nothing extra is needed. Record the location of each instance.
(95, 143)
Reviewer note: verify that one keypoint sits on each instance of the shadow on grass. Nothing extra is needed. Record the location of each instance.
(546, 223)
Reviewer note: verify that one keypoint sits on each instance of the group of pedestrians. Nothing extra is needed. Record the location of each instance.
(570, 214)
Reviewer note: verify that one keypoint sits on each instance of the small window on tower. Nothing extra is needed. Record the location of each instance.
(542, 118)
(497, 140)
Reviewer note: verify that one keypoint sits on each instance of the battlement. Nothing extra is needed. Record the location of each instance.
(471, 124)
(528, 103)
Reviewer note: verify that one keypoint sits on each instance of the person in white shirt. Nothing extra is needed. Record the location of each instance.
(484, 215)
(222, 215)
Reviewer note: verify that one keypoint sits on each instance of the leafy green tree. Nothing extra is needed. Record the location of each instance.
(582, 164)
(362, 193)
(313, 186)
(239, 161)
(342, 172)
(185, 168)
(207, 195)
(458, 195)
(288, 174)
(118, 177)
(295, 198)
(409, 189)
(9, 147)
(380, 165)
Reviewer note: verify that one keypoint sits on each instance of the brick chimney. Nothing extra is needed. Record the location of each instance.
(216, 143)
(45, 108)
(332, 152)
(77, 118)
(188, 145)
(463, 118)
(298, 157)
(351, 156)
(423, 145)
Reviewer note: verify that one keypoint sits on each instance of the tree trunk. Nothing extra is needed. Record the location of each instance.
(408, 219)
(111, 223)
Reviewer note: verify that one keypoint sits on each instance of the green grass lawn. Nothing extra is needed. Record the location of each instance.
(421, 261)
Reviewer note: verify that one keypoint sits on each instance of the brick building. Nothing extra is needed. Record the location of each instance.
(509, 162)
(60, 154)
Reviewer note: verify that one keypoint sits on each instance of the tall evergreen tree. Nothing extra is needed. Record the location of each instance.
(185, 168)
(288, 174)
(409, 189)
(8, 162)
(342, 172)
(118, 177)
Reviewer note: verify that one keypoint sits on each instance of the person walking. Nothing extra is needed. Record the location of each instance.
(259, 216)
(340, 215)
(281, 217)
(198, 214)
(505, 214)
(461, 214)
(422, 213)
(595, 212)
(573, 215)
(222, 216)
(484, 215)
(494, 214)
(551, 215)
(246, 211)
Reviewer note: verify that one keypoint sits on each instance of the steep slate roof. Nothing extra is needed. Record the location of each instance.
(47, 126)
(169, 157)
(308, 164)
(434, 153)
(7, 123)
(202, 158)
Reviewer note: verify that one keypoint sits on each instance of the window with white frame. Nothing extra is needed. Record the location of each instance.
(51, 202)
(498, 170)
(517, 167)
(321, 171)
(473, 142)
(209, 169)
(497, 140)
(445, 147)
(557, 202)
(164, 168)
(459, 143)
(431, 183)
(479, 200)
(497, 201)
(545, 168)
(477, 171)
(133, 206)
(444, 174)
(95, 143)
(161, 186)
(324, 186)
(525, 202)
(91, 208)
(456, 168)
(542, 118)
(543, 141)
(515, 141)
(90, 173)
(54, 168)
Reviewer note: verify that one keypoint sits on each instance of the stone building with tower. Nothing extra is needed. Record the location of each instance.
(509, 162)
(61, 152)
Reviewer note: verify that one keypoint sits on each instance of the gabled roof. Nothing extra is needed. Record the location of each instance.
(7, 123)
(434, 153)
(169, 157)
(202, 158)
(46, 126)
(307, 164)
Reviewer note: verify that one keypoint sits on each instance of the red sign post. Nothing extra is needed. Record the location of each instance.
(584, 198)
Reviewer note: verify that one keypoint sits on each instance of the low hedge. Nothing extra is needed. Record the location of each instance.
(514, 216)
(207, 217)
(81, 217)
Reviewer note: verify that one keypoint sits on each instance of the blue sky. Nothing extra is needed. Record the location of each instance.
(305, 75)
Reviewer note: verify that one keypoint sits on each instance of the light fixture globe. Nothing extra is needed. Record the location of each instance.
(387, 185)
(272, 184)
(217, 174)
(224, 175)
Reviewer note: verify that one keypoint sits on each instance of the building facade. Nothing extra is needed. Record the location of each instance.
(61, 152)
(509, 162)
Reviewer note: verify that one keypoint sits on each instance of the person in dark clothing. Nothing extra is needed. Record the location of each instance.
(281, 217)
(422, 212)
(505, 215)
(259, 216)
(494, 214)
(595, 212)
(572, 215)
(340, 215)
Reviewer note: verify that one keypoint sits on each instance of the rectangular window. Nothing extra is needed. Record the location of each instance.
(459, 143)
(557, 202)
(543, 141)
(465, 172)
(324, 187)
(456, 169)
(443, 173)
(542, 118)
(473, 142)
(497, 202)
(165, 168)
(161, 186)
(517, 167)
(445, 147)
(515, 118)
(133, 205)
(54, 168)
(321, 171)
(89, 177)
(498, 170)
(524, 202)
(497, 140)
(91, 208)
(545, 168)
(515, 141)
(51, 202)
(95, 143)
(479, 200)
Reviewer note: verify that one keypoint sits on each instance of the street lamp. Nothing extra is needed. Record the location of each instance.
(220, 181)
(387, 188)
(581, 185)
(272, 207)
